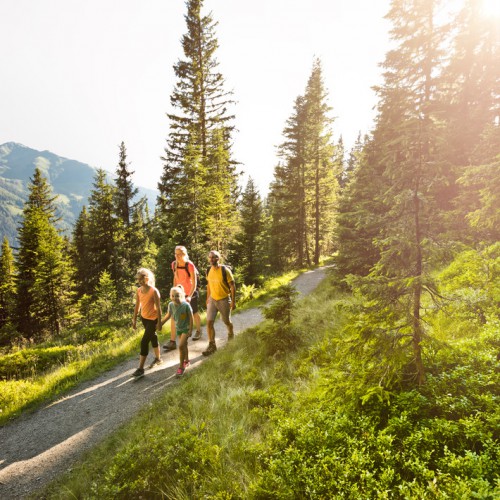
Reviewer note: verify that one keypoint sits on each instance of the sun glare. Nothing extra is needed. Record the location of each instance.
(491, 8)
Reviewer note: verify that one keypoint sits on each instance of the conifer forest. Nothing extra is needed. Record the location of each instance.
(408, 220)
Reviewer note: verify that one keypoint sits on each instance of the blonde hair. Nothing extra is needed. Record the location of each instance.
(184, 251)
(177, 289)
(146, 273)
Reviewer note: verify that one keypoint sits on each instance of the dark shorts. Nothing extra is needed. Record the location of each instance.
(194, 302)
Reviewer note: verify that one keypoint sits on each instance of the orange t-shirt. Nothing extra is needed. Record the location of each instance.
(181, 276)
(147, 300)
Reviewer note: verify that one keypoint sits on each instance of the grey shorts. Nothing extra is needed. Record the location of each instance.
(223, 306)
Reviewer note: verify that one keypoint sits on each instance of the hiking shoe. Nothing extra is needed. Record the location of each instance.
(230, 336)
(156, 361)
(180, 372)
(186, 363)
(210, 349)
(171, 346)
(197, 335)
(138, 373)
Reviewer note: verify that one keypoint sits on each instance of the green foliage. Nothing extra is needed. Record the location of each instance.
(31, 362)
(283, 336)
(33, 375)
(198, 187)
(7, 286)
(303, 193)
(471, 285)
(249, 253)
(105, 298)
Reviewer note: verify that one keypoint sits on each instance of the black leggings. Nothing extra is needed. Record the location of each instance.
(150, 335)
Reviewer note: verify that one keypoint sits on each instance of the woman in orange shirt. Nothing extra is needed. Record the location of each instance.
(148, 303)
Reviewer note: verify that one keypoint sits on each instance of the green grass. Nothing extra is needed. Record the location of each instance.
(18, 395)
(31, 376)
(249, 425)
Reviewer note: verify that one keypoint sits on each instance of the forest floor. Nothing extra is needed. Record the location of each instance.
(37, 447)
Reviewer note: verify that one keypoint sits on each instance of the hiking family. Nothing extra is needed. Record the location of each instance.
(183, 308)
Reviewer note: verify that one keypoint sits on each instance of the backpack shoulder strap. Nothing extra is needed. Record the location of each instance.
(224, 275)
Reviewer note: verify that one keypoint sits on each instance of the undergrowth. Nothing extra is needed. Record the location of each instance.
(298, 425)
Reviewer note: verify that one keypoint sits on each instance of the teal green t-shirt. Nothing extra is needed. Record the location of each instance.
(181, 315)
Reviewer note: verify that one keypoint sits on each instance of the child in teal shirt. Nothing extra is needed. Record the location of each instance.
(182, 313)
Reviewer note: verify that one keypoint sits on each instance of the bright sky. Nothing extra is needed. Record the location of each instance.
(78, 77)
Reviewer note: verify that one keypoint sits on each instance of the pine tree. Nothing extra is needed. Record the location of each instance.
(287, 195)
(249, 247)
(407, 138)
(105, 234)
(81, 255)
(198, 187)
(7, 284)
(305, 184)
(131, 225)
(53, 288)
(125, 190)
(43, 275)
(323, 184)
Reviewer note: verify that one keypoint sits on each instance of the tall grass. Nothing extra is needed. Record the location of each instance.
(249, 425)
(19, 394)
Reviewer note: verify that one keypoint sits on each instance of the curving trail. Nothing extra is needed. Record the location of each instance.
(36, 448)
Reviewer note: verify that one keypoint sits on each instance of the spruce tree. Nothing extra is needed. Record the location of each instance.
(249, 247)
(198, 187)
(43, 275)
(105, 234)
(53, 288)
(125, 190)
(305, 185)
(81, 255)
(7, 284)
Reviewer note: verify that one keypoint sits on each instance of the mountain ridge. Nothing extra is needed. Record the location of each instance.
(70, 180)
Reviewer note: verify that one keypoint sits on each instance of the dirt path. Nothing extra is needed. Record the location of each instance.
(36, 448)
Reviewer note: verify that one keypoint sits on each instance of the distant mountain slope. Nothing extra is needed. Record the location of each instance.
(71, 180)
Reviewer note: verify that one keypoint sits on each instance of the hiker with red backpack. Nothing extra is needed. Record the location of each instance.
(185, 274)
(221, 293)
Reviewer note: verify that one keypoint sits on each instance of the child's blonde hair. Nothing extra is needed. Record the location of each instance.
(178, 289)
(146, 272)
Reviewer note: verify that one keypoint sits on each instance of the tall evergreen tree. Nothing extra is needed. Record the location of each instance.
(407, 138)
(105, 234)
(53, 288)
(198, 186)
(305, 184)
(81, 255)
(323, 184)
(249, 247)
(7, 284)
(41, 265)
(125, 190)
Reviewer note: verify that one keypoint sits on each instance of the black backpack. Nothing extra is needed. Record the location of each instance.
(186, 267)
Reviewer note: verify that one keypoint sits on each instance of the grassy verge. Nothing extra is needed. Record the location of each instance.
(24, 394)
(251, 424)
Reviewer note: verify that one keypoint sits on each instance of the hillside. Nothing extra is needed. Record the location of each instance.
(71, 181)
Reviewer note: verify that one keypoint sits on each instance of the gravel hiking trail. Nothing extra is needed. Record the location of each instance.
(35, 448)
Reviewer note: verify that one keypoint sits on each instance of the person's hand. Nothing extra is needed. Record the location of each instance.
(188, 299)
(233, 305)
(134, 325)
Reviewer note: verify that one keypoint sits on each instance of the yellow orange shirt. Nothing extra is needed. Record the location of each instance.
(218, 289)
(147, 300)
